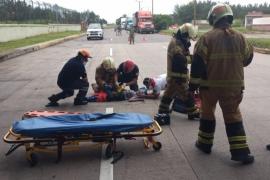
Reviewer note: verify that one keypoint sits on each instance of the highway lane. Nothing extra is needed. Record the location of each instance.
(27, 81)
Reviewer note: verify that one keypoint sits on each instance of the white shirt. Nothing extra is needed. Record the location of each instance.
(160, 83)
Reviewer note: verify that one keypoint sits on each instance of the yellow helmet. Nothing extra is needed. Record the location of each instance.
(189, 29)
(219, 11)
(108, 63)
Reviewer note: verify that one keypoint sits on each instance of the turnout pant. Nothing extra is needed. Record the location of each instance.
(176, 88)
(229, 100)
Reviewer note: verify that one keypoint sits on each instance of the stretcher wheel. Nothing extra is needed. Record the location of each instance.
(157, 146)
(109, 151)
(32, 159)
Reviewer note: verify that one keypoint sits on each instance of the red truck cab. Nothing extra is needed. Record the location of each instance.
(143, 22)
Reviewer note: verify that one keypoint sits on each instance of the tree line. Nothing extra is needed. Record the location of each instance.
(28, 11)
(185, 13)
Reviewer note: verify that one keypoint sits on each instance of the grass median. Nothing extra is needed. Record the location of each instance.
(260, 42)
(10, 45)
(256, 42)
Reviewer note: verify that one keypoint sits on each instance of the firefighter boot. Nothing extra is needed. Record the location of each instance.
(206, 135)
(238, 143)
(192, 111)
(194, 114)
(163, 119)
(53, 101)
(80, 101)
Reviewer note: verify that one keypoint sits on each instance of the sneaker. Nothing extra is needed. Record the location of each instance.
(247, 159)
(80, 102)
(202, 148)
(53, 98)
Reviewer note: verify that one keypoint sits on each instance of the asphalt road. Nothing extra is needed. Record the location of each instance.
(27, 81)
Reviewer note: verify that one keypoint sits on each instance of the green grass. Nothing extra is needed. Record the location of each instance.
(10, 45)
(260, 42)
(256, 42)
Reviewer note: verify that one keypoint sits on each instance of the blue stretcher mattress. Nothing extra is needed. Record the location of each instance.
(81, 123)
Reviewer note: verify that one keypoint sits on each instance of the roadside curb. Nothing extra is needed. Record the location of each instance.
(262, 50)
(35, 47)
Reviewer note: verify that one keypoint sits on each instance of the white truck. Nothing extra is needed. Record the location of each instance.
(123, 22)
(94, 30)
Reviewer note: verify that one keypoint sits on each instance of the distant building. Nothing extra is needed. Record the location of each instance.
(257, 21)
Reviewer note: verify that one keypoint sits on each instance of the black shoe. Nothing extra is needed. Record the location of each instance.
(53, 98)
(52, 104)
(247, 159)
(80, 102)
(268, 147)
(194, 115)
(202, 148)
(163, 119)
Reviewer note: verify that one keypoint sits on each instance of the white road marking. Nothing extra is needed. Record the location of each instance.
(111, 52)
(106, 167)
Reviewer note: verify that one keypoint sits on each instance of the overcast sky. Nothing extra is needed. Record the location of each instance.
(113, 9)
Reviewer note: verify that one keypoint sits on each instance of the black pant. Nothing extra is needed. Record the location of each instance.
(68, 91)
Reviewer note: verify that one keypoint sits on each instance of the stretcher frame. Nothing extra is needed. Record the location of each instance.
(69, 142)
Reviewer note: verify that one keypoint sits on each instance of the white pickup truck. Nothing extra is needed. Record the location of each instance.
(94, 30)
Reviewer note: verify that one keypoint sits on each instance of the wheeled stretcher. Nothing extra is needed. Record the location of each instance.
(43, 131)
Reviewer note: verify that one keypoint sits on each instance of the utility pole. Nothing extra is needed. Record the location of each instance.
(152, 7)
(139, 1)
(194, 13)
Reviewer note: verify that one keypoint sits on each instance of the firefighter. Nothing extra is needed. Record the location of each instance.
(105, 77)
(217, 69)
(127, 74)
(73, 76)
(178, 56)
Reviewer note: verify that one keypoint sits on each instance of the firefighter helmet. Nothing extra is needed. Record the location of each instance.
(189, 29)
(85, 53)
(219, 11)
(108, 63)
(128, 66)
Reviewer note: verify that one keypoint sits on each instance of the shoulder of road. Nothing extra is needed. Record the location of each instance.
(27, 49)
(23, 50)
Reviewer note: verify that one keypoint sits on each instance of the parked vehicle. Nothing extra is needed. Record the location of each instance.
(123, 22)
(129, 23)
(95, 30)
(143, 22)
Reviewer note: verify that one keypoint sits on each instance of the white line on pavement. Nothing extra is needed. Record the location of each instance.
(106, 167)
(111, 52)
